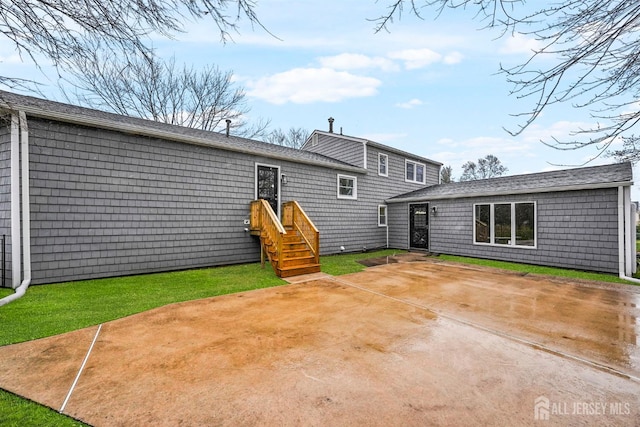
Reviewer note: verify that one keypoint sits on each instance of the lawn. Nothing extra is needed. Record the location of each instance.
(536, 269)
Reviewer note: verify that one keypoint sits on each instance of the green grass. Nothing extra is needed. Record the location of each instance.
(53, 309)
(18, 412)
(337, 265)
(535, 269)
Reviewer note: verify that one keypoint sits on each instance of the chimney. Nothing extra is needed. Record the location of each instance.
(228, 126)
(331, 120)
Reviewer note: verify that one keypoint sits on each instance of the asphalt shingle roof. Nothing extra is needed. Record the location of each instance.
(38, 107)
(566, 179)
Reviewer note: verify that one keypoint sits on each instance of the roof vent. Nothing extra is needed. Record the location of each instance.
(228, 126)
(331, 120)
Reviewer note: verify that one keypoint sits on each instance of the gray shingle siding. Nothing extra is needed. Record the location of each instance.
(349, 223)
(398, 225)
(576, 229)
(395, 183)
(106, 204)
(340, 148)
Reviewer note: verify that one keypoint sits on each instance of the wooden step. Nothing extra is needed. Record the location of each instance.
(294, 245)
(298, 270)
(292, 238)
(296, 253)
(296, 261)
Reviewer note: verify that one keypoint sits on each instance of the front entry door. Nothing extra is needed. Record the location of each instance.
(267, 181)
(419, 226)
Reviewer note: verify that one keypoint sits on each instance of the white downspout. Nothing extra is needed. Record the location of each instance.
(623, 237)
(15, 208)
(633, 212)
(628, 269)
(15, 202)
(387, 227)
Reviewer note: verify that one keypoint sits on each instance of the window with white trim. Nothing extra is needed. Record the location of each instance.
(347, 187)
(505, 224)
(383, 164)
(414, 172)
(382, 215)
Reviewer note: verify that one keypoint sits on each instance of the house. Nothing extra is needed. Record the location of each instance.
(579, 218)
(110, 195)
(88, 194)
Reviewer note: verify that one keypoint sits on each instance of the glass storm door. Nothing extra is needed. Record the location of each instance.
(419, 226)
(267, 185)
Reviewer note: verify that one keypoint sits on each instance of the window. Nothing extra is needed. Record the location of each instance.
(382, 215)
(347, 187)
(525, 223)
(314, 140)
(502, 221)
(414, 172)
(383, 162)
(482, 225)
(508, 224)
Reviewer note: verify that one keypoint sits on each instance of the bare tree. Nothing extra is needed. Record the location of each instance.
(630, 151)
(487, 167)
(294, 137)
(594, 48)
(147, 87)
(446, 175)
(61, 31)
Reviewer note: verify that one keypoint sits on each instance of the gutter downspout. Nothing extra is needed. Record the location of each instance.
(23, 140)
(623, 237)
(387, 227)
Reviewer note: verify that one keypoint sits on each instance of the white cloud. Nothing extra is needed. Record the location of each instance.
(410, 104)
(458, 152)
(561, 130)
(307, 85)
(416, 58)
(353, 61)
(519, 43)
(452, 58)
(11, 59)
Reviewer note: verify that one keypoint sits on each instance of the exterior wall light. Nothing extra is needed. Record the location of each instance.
(283, 179)
(434, 210)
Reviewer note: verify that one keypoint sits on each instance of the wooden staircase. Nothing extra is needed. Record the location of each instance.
(292, 246)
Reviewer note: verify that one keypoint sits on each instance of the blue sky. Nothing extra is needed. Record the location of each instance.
(428, 86)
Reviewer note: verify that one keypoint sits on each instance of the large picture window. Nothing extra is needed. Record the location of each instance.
(347, 187)
(414, 172)
(505, 224)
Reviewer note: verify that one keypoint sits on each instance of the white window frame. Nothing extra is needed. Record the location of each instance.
(512, 242)
(386, 164)
(354, 196)
(386, 216)
(415, 165)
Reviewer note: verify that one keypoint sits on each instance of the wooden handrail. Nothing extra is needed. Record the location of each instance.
(294, 216)
(263, 218)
